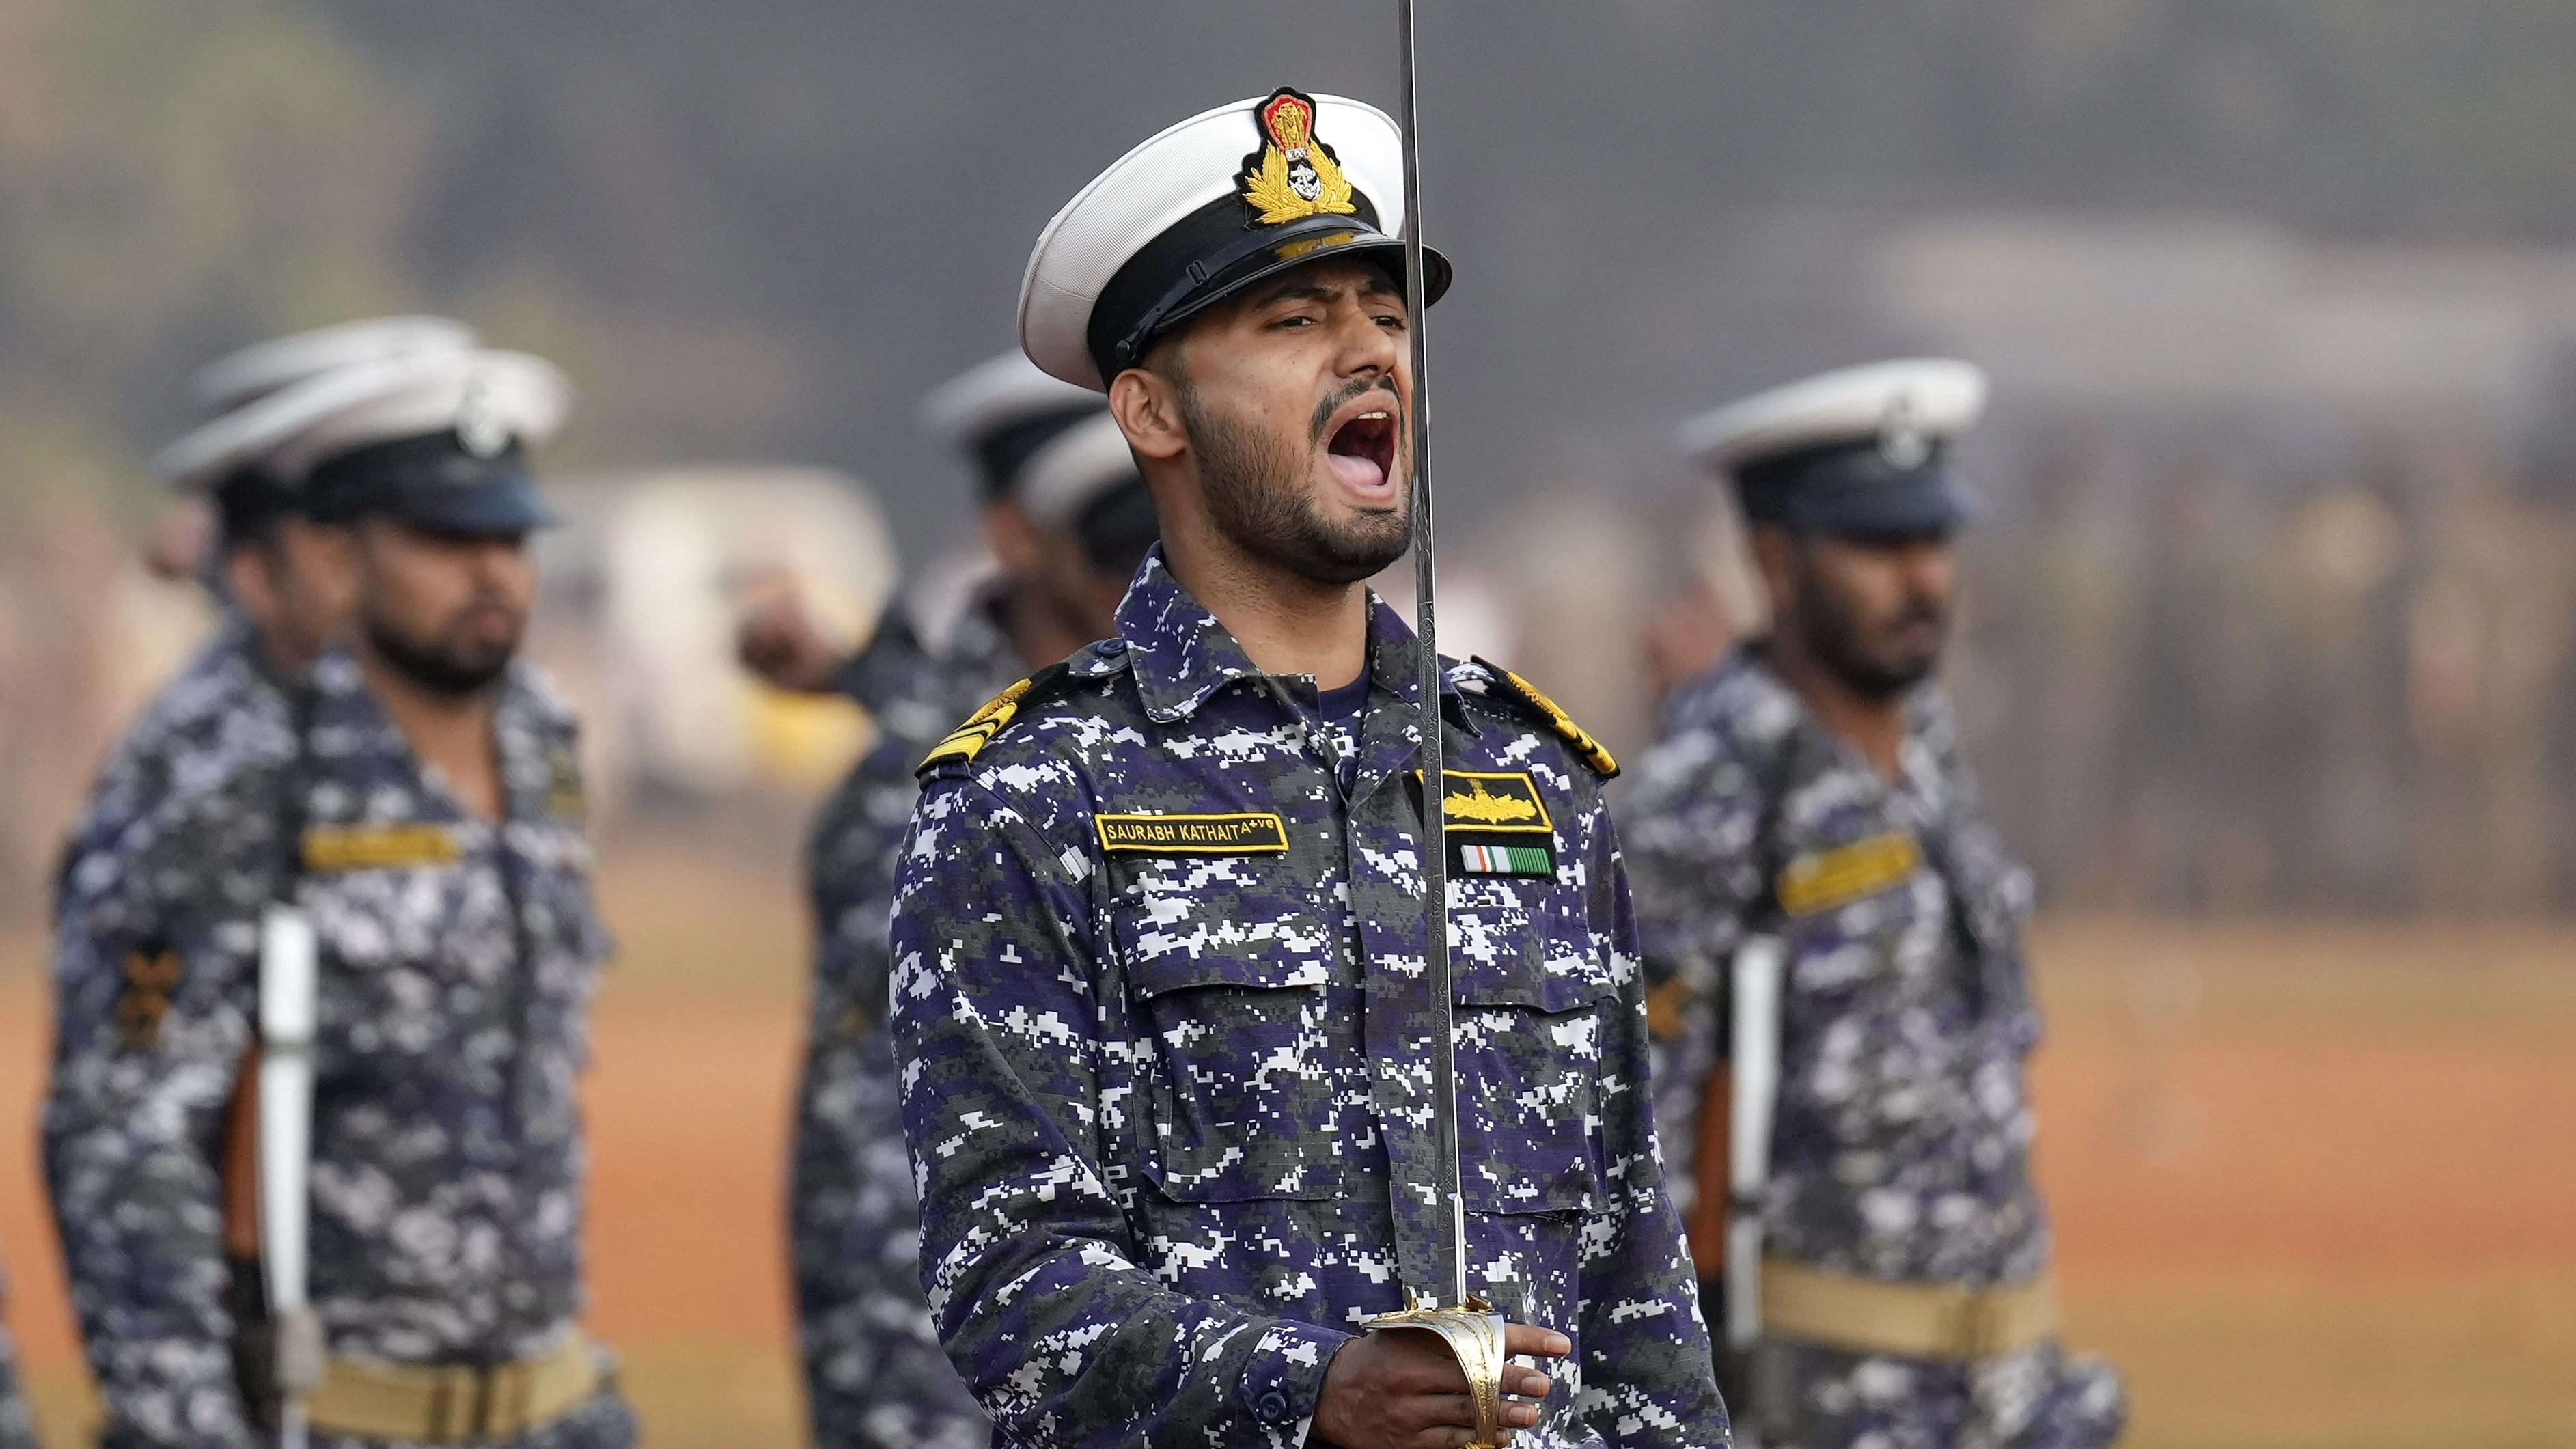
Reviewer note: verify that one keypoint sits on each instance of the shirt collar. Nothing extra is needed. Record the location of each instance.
(1182, 656)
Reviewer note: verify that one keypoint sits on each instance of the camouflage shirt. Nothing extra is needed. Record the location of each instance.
(874, 1372)
(1160, 1003)
(224, 705)
(1901, 1146)
(458, 958)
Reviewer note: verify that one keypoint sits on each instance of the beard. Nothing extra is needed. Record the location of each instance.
(1832, 630)
(1258, 496)
(453, 667)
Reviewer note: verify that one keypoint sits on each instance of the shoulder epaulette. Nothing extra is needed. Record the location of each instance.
(970, 738)
(1512, 686)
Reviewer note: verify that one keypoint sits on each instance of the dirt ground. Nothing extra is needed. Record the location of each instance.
(2315, 1184)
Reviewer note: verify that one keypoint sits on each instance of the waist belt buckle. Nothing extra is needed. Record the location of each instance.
(1989, 1323)
(456, 1404)
(471, 1403)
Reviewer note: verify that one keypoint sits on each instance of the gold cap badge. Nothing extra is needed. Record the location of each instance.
(1294, 174)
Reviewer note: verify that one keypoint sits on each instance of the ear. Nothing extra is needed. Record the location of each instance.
(323, 557)
(1775, 558)
(1148, 408)
(249, 576)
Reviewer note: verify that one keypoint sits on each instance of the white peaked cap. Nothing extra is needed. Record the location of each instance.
(1160, 183)
(1934, 398)
(997, 393)
(263, 368)
(488, 398)
(1079, 465)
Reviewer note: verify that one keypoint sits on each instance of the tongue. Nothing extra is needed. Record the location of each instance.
(1354, 471)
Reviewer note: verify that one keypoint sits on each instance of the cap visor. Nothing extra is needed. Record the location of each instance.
(1436, 272)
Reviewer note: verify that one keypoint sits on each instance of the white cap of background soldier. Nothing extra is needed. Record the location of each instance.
(1860, 451)
(236, 526)
(437, 439)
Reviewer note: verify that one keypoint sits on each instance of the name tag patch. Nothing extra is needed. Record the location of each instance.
(379, 847)
(1256, 832)
(1832, 878)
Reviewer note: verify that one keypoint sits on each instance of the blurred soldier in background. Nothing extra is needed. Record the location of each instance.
(1066, 519)
(278, 608)
(1810, 791)
(416, 798)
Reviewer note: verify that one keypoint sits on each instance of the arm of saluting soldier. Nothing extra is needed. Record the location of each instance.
(155, 994)
(1647, 1375)
(1036, 1282)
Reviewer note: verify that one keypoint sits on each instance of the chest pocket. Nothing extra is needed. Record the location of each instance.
(1533, 1002)
(1241, 1038)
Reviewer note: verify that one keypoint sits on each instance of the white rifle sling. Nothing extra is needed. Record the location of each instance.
(288, 986)
(1754, 1055)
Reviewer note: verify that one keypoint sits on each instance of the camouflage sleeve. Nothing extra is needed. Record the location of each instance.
(1694, 866)
(874, 1372)
(1648, 1378)
(154, 998)
(1036, 1281)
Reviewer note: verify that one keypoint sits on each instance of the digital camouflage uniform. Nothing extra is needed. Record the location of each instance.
(458, 958)
(1902, 1137)
(223, 704)
(1172, 1103)
(874, 1372)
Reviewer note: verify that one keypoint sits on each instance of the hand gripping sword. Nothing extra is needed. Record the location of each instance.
(1469, 1326)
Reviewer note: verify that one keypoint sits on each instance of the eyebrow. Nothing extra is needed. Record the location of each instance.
(1299, 291)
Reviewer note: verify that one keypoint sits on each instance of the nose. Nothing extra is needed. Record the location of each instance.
(1368, 348)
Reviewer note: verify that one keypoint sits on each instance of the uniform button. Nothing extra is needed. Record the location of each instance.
(1274, 1407)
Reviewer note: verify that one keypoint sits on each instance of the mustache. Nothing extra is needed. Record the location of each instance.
(1348, 392)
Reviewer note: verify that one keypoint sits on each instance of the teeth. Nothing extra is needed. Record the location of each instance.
(1372, 417)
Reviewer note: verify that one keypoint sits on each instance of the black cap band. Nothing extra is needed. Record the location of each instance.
(1000, 452)
(1210, 255)
(433, 482)
(1851, 487)
(249, 502)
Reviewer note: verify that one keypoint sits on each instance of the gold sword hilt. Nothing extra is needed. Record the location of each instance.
(1474, 1334)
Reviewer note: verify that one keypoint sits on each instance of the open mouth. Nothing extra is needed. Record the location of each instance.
(1362, 451)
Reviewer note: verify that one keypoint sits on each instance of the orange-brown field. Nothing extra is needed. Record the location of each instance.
(2315, 1184)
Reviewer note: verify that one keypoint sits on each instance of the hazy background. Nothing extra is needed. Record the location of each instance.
(2269, 656)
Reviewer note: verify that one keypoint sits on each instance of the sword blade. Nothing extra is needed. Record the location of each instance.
(1435, 854)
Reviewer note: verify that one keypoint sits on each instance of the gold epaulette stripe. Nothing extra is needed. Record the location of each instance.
(970, 738)
(1603, 763)
(1854, 872)
(379, 847)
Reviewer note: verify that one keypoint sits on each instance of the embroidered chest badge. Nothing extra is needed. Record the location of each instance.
(1832, 878)
(1496, 824)
(1255, 832)
(1294, 174)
